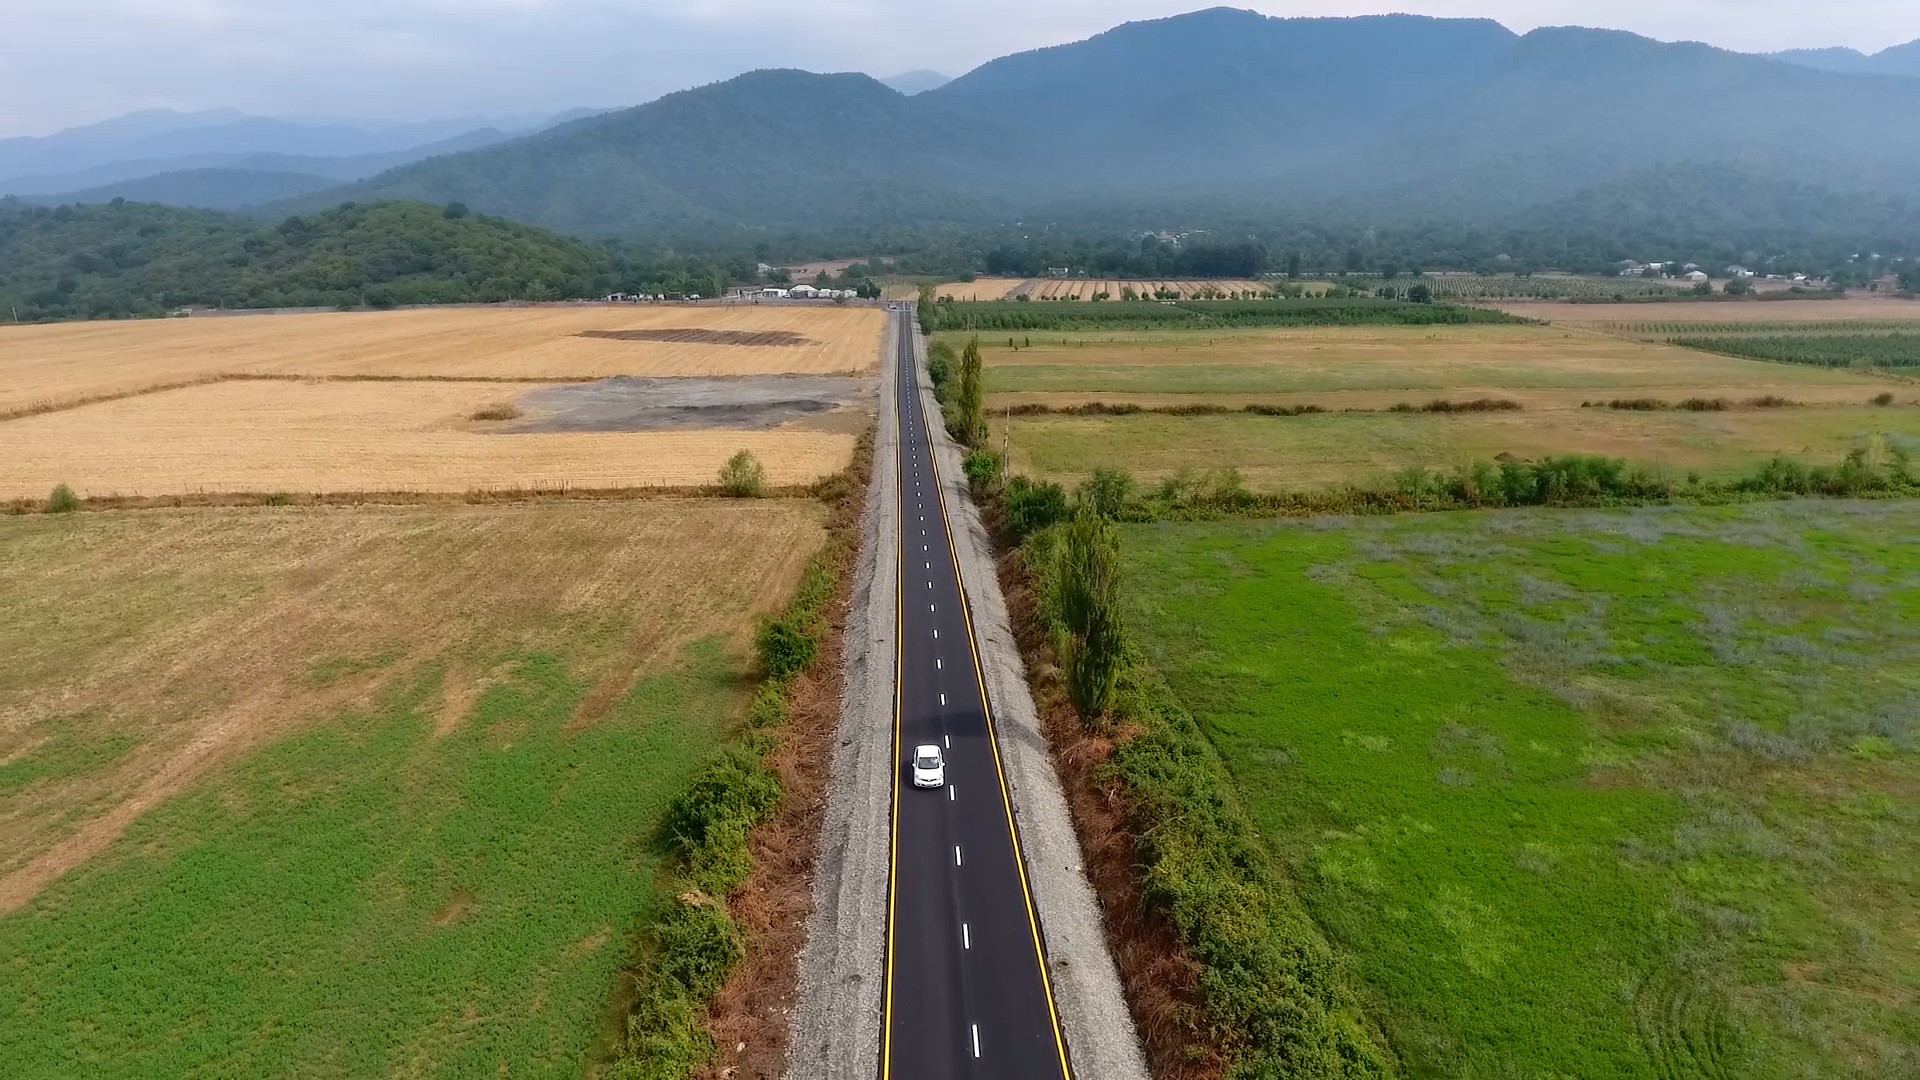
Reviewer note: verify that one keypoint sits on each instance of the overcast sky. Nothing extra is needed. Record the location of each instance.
(65, 62)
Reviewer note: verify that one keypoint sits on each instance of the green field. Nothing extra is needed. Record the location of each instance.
(1579, 793)
(1835, 350)
(407, 766)
(1011, 315)
(1307, 452)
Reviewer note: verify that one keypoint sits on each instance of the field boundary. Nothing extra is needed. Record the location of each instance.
(470, 497)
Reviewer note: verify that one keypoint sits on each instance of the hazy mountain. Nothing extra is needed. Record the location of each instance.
(204, 189)
(337, 169)
(1388, 117)
(766, 148)
(146, 144)
(917, 82)
(1898, 60)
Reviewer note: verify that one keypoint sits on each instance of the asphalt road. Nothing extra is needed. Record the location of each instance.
(967, 993)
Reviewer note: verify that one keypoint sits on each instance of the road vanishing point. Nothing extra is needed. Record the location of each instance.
(967, 992)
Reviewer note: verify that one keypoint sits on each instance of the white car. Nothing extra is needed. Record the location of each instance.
(929, 768)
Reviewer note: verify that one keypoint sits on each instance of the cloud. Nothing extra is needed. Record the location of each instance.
(63, 62)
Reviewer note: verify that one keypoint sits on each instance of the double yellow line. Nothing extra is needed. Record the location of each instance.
(1006, 799)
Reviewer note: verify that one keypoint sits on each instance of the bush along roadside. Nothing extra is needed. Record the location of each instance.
(1027, 506)
(1263, 994)
(718, 831)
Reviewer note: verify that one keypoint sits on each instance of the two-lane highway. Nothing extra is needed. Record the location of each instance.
(967, 993)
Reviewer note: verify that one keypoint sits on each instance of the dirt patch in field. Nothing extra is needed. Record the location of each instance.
(630, 405)
(692, 336)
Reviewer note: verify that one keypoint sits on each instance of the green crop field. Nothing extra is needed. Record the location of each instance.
(1579, 793)
(1005, 315)
(354, 792)
(1833, 350)
(1307, 452)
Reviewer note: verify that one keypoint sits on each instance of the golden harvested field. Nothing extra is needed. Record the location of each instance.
(272, 436)
(986, 288)
(1374, 367)
(63, 363)
(202, 628)
(1627, 317)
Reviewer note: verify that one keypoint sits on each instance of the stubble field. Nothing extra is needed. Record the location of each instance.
(357, 791)
(385, 401)
(1632, 317)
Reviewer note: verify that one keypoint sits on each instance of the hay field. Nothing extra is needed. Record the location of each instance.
(272, 436)
(62, 363)
(1310, 452)
(986, 288)
(1629, 318)
(354, 791)
(1376, 367)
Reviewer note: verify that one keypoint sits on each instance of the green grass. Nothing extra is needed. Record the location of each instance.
(1579, 794)
(1834, 350)
(369, 898)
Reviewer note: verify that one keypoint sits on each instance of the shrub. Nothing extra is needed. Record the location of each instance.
(1086, 610)
(940, 364)
(1884, 397)
(1698, 404)
(743, 477)
(1769, 401)
(62, 500)
(786, 649)
(1644, 404)
(501, 411)
(1105, 493)
(1032, 506)
(983, 471)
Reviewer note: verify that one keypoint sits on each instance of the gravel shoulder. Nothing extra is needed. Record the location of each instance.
(1101, 1039)
(836, 1023)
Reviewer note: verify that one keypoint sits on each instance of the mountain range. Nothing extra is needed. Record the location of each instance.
(1213, 117)
(1210, 114)
(224, 159)
(1902, 60)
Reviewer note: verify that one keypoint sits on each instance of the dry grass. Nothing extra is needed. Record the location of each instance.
(363, 436)
(52, 365)
(1373, 367)
(1308, 452)
(986, 288)
(1733, 314)
(205, 633)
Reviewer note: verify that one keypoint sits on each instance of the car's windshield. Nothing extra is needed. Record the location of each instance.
(928, 759)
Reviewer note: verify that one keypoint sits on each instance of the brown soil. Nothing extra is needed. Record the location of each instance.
(749, 1017)
(687, 336)
(1161, 980)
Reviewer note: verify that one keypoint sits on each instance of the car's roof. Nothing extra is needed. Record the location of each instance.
(925, 748)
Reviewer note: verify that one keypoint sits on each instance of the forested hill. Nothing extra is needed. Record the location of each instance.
(137, 259)
(1384, 119)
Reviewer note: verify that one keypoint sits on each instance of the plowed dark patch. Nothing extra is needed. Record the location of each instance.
(703, 337)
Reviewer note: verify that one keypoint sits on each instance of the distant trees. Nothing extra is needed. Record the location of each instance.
(1739, 287)
(1910, 278)
(1293, 265)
